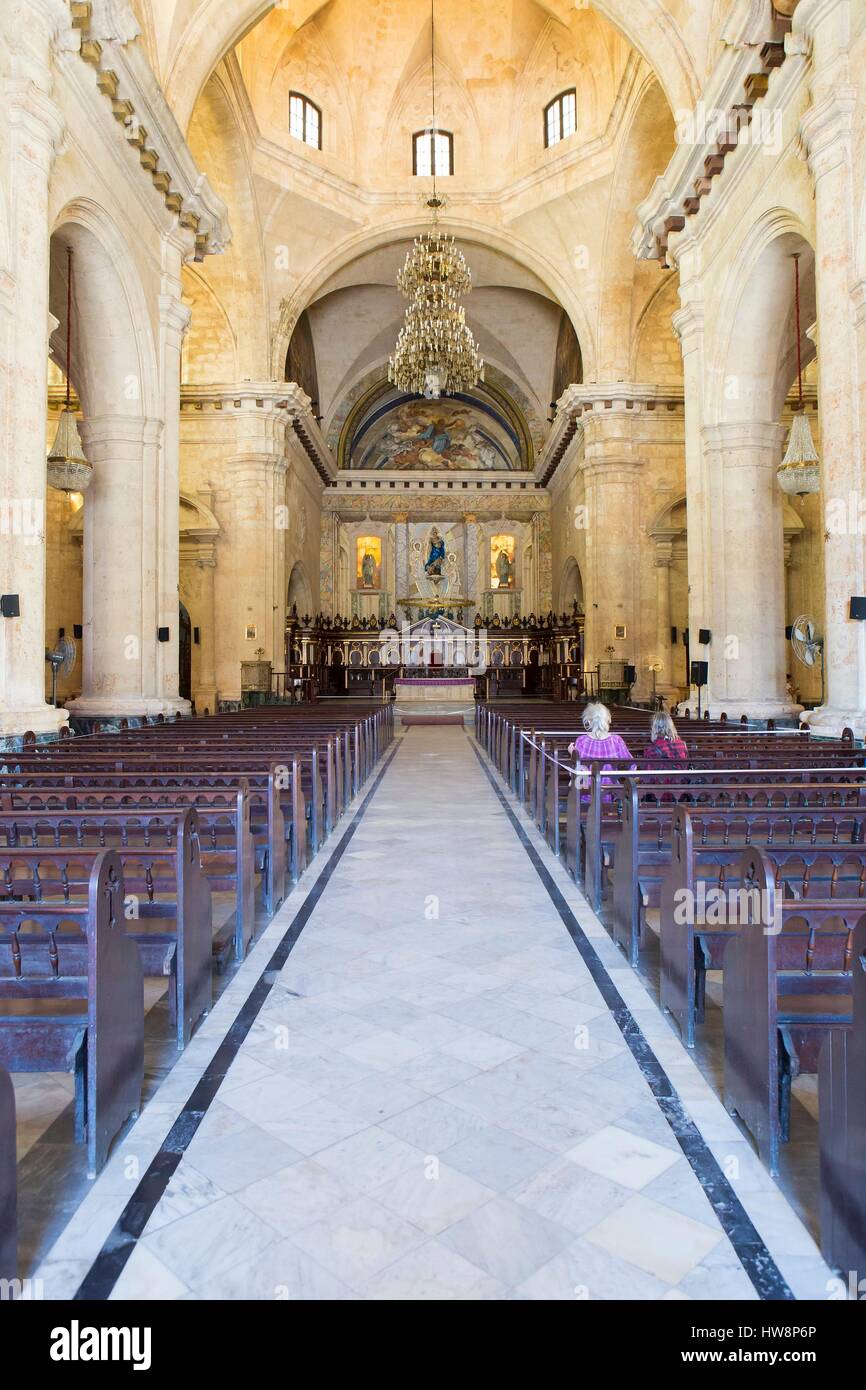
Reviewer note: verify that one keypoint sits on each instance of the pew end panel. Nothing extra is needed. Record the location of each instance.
(751, 1040)
(115, 1015)
(678, 942)
(842, 1130)
(626, 886)
(275, 881)
(8, 1185)
(193, 957)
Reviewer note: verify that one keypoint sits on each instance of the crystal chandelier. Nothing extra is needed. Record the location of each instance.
(435, 350)
(68, 469)
(798, 473)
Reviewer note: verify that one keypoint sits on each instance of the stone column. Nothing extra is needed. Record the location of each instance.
(329, 563)
(35, 129)
(121, 569)
(174, 319)
(611, 468)
(826, 130)
(470, 541)
(701, 485)
(401, 552)
(250, 577)
(747, 650)
(247, 595)
(543, 558)
(665, 684)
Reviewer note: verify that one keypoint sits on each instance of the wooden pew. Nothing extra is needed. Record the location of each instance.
(8, 1183)
(787, 982)
(721, 825)
(599, 824)
(280, 840)
(224, 836)
(173, 933)
(77, 1004)
(215, 768)
(694, 940)
(842, 1130)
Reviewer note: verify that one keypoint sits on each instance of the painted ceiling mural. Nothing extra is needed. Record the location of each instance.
(393, 431)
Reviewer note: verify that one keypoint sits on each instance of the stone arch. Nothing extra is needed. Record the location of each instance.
(299, 592)
(216, 27)
(113, 349)
(470, 233)
(755, 332)
(571, 587)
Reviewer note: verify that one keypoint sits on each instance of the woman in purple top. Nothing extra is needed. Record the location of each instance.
(598, 741)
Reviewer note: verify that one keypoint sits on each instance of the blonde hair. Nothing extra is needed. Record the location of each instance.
(663, 727)
(596, 719)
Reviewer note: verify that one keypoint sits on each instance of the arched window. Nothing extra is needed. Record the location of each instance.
(433, 153)
(305, 120)
(560, 117)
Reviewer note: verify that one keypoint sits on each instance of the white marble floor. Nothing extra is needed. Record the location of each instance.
(435, 1101)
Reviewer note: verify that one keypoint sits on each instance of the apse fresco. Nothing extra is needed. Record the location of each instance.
(442, 435)
(502, 562)
(369, 562)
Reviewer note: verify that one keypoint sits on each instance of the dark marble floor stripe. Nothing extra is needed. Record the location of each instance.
(109, 1264)
(735, 1221)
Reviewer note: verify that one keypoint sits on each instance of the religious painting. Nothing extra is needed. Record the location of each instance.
(502, 574)
(368, 573)
(457, 432)
(250, 632)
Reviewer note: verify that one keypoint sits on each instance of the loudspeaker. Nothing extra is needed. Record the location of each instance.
(704, 636)
(196, 636)
(788, 630)
(630, 675)
(77, 630)
(673, 636)
(699, 672)
(162, 634)
(858, 608)
(9, 607)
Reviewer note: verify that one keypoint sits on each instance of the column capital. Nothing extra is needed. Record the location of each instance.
(825, 130)
(175, 316)
(38, 117)
(688, 324)
(664, 554)
(737, 437)
(102, 434)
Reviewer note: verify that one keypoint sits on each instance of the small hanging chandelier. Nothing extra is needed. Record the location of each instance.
(798, 473)
(68, 469)
(435, 350)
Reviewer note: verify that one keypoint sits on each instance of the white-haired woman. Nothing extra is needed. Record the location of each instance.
(665, 741)
(597, 741)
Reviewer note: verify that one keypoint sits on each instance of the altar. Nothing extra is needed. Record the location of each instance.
(456, 689)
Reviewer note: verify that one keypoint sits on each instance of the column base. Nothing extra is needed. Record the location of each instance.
(125, 706)
(206, 697)
(735, 709)
(829, 722)
(41, 719)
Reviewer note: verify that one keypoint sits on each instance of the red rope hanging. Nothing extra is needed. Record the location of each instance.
(797, 310)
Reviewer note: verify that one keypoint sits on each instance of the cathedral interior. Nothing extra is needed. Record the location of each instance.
(372, 366)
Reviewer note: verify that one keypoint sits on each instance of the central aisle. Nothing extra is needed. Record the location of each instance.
(434, 1101)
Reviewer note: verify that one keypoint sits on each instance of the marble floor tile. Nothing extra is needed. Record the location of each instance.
(507, 1240)
(656, 1239)
(627, 1158)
